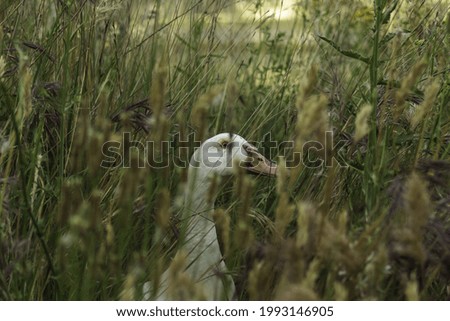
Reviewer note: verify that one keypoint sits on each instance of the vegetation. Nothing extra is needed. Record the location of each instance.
(366, 217)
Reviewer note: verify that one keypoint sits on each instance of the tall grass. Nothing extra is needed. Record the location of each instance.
(372, 224)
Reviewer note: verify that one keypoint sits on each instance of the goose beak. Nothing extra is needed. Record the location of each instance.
(257, 163)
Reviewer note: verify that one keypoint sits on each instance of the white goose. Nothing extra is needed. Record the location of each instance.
(205, 264)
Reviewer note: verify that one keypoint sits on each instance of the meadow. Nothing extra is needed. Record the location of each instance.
(364, 217)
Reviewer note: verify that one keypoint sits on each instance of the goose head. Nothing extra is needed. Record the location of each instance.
(220, 155)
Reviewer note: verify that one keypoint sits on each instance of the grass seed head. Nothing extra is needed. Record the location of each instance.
(312, 125)
(312, 122)
(412, 290)
(200, 113)
(94, 155)
(178, 264)
(281, 175)
(305, 212)
(158, 89)
(110, 235)
(181, 286)
(417, 202)
(163, 212)
(213, 189)
(426, 106)
(294, 292)
(307, 90)
(312, 274)
(129, 288)
(259, 280)
(70, 200)
(340, 292)
(95, 215)
(283, 214)
(2, 65)
(243, 189)
(407, 85)
(342, 221)
(362, 127)
(243, 235)
(222, 221)
(80, 225)
(25, 93)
